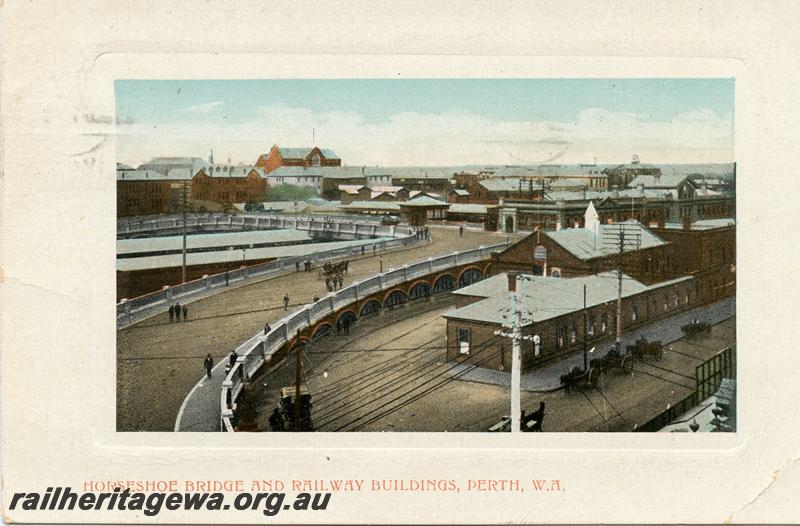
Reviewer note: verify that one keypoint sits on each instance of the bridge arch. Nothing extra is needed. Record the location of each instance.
(321, 331)
(444, 283)
(394, 298)
(469, 275)
(369, 307)
(419, 289)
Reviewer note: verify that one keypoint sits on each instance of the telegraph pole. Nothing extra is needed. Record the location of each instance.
(516, 352)
(618, 342)
(585, 333)
(183, 253)
(297, 375)
(516, 365)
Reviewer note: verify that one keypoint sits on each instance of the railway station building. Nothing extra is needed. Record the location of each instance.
(552, 313)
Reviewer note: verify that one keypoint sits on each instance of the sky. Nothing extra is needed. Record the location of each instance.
(433, 122)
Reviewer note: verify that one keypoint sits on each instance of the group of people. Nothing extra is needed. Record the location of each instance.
(176, 310)
(334, 282)
(343, 325)
(423, 233)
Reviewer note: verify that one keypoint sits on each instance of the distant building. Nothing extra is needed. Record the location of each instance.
(228, 184)
(325, 180)
(146, 192)
(622, 175)
(706, 250)
(553, 312)
(164, 165)
(421, 179)
(307, 157)
(491, 191)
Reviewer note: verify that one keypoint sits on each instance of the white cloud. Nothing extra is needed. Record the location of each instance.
(206, 107)
(411, 138)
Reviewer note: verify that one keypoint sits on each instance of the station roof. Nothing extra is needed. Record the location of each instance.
(175, 174)
(543, 298)
(464, 208)
(389, 206)
(228, 256)
(210, 241)
(424, 201)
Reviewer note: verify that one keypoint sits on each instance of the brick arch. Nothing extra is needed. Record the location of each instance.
(389, 293)
(319, 326)
(441, 275)
(341, 313)
(418, 282)
(368, 301)
(468, 267)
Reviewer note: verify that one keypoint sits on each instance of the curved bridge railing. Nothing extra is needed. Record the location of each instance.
(259, 349)
(130, 311)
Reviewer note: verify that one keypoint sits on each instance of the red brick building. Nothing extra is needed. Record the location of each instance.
(592, 249)
(306, 157)
(705, 249)
(142, 192)
(227, 184)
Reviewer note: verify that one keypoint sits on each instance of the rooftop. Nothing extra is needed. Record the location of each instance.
(662, 181)
(543, 298)
(584, 244)
(424, 201)
(302, 153)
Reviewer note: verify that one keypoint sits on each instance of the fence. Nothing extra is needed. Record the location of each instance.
(136, 309)
(258, 349)
(708, 377)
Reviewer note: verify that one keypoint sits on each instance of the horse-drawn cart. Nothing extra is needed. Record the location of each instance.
(644, 348)
(696, 328)
(577, 377)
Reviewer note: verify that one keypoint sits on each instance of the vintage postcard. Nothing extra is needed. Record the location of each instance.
(395, 288)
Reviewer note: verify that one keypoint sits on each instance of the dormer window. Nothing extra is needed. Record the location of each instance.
(315, 160)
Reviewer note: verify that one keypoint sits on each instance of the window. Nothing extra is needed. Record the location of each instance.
(540, 252)
(666, 301)
(590, 325)
(573, 333)
(556, 272)
(315, 161)
(677, 300)
(560, 337)
(634, 313)
(603, 322)
(463, 340)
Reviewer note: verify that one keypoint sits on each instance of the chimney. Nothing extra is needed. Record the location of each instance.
(512, 281)
(687, 223)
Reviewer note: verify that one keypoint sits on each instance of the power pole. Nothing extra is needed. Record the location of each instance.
(184, 188)
(297, 376)
(618, 342)
(585, 334)
(516, 336)
(516, 365)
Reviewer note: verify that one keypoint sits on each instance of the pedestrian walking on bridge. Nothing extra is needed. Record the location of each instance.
(172, 313)
(178, 312)
(285, 302)
(185, 310)
(209, 364)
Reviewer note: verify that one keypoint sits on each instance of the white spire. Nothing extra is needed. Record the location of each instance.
(591, 221)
